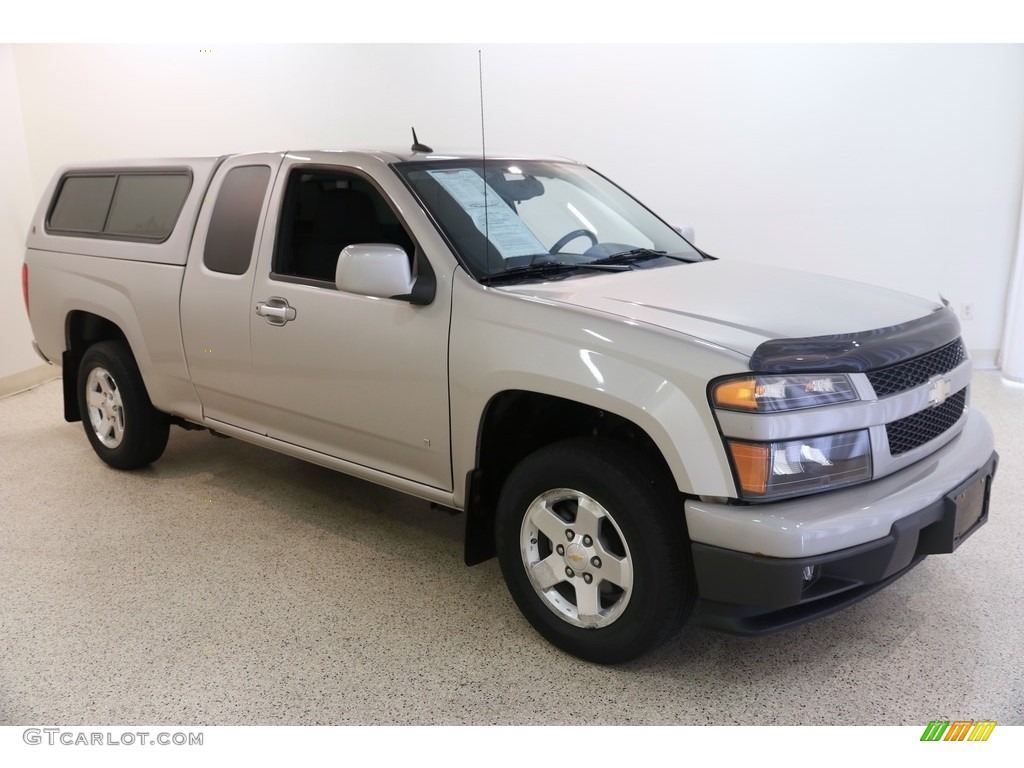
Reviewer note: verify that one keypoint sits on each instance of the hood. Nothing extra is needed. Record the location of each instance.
(734, 305)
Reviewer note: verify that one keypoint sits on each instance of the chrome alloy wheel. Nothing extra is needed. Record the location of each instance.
(106, 411)
(576, 558)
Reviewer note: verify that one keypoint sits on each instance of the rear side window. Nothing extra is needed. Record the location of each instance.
(123, 205)
(83, 203)
(147, 206)
(236, 215)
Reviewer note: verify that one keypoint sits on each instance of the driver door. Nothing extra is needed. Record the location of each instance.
(359, 378)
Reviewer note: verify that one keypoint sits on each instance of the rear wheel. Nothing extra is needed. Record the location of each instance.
(593, 550)
(122, 425)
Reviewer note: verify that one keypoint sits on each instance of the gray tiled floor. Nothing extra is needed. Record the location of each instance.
(230, 585)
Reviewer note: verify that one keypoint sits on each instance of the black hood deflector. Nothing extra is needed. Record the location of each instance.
(858, 352)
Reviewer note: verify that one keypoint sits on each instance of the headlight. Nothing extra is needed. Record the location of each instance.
(766, 394)
(794, 467)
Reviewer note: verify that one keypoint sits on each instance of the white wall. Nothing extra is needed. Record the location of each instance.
(17, 202)
(1011, 359)
(897, 165)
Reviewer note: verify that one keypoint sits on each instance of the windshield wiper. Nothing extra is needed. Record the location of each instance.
(632, 256)
(635, 255)
(546, 268)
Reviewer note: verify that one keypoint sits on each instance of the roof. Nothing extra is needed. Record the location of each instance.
(398, 155)
(387, 156)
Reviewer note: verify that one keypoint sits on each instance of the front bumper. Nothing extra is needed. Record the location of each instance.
(751, 593)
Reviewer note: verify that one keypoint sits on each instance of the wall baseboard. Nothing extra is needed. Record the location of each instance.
(23, 380)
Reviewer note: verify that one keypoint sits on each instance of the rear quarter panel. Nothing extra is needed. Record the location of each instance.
(140, 298)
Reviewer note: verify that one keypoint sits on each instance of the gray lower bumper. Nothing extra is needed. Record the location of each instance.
(750, 594)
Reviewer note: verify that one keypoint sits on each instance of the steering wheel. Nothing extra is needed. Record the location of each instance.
(568, 238)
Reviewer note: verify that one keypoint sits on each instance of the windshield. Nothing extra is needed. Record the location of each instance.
(533, 219)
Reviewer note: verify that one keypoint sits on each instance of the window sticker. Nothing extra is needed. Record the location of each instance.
(495, 219)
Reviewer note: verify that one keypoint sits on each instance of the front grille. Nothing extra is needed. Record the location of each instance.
(907, 433)
(903, 376)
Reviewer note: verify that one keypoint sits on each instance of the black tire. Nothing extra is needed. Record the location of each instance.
(122, 425)
(640, 541)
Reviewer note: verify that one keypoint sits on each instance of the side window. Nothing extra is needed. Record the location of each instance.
(236, 214)
(82, 204)
(324, 211)
(130, 205)
(146, 206)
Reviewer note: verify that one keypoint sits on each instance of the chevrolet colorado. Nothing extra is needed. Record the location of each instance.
(637, 430)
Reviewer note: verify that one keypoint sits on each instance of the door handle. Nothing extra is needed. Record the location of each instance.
(276, 310)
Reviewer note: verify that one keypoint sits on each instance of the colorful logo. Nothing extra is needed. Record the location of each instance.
(958, 730)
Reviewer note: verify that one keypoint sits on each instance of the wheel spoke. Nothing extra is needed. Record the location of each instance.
(588, 604)
(548, 523)
(95, 398)
(616, 570)
(547, 572)
(588, 517)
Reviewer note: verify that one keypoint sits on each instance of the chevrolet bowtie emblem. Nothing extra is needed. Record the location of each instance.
(939, 392)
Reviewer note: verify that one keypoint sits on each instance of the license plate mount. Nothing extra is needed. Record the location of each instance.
(971, 505)
(966, 509)
(962, 511)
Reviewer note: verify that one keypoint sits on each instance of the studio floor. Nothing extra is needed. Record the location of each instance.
(228, 585)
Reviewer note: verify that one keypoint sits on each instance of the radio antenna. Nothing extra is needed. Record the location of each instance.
(483, 160)
(416, 146)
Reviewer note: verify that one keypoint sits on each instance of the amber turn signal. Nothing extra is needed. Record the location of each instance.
(737, 393)
(752, 463)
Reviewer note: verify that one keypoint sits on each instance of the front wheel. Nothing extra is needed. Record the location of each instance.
(593, 551)
(122, 425)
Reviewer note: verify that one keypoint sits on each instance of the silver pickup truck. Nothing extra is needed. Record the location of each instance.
(639, 431)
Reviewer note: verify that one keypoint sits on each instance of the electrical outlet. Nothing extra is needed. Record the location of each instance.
(966, 311)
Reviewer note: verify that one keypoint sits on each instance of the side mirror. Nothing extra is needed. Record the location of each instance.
(687, 232)
(376, 269)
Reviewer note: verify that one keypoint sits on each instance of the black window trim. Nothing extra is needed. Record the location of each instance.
(416, 256)
(117, 173)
